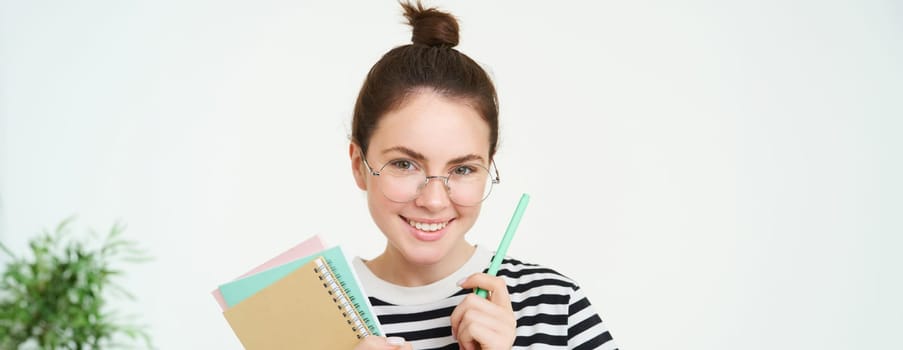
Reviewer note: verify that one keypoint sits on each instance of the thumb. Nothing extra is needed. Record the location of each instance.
(383, 343)
(395, 341)
(399, 343)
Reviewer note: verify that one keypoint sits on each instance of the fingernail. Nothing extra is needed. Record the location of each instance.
(395, 340)
(461, 281)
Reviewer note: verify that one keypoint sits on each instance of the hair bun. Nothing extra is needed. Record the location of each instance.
(431, 27)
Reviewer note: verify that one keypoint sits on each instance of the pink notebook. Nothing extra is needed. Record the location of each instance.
(308, 247)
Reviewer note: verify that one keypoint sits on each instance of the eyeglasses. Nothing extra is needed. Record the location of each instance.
(401, 180)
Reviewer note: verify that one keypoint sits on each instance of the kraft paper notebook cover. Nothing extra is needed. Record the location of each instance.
(306, 309)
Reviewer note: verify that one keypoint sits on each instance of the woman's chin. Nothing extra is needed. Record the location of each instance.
(424, 256)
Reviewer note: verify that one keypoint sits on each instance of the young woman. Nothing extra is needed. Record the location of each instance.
(425, 131)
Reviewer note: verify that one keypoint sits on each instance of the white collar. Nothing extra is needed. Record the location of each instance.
(441, 289)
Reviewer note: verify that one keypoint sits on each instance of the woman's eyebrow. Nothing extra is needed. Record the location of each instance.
(466, 158)
(407, 151)
(421, 158)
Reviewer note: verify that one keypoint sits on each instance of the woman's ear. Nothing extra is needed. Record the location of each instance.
(357, 166)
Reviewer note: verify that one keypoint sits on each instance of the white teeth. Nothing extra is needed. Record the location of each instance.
(427, 227)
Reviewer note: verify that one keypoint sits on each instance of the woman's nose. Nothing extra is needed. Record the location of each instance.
(434, 194)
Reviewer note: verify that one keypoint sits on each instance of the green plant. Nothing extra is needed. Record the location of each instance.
(59, 299)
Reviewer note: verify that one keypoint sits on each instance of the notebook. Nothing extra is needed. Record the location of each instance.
(315, 302)
(305, 310)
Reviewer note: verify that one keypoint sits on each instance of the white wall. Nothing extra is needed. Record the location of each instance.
(716, 174)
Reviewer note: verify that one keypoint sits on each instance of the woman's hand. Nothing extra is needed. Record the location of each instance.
(486, 324)
(374, 342)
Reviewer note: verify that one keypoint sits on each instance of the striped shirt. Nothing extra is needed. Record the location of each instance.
(551, 310)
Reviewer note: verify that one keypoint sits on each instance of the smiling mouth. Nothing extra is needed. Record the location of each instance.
(427, 227)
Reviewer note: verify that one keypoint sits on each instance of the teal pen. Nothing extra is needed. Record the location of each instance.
(506, 241)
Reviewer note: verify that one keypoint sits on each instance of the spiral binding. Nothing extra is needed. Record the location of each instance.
(342, 301)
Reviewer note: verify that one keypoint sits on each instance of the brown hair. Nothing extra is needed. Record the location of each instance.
(430, 62)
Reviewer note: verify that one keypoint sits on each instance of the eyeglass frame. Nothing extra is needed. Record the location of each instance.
(427, 178)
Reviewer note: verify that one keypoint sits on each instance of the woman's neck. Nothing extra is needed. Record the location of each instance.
(391, 266)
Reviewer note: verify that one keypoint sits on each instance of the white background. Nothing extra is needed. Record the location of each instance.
(716, 174)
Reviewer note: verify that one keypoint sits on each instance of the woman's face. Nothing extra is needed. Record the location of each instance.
(436, 134)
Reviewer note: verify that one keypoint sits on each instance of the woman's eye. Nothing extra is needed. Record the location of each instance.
(463, 170)
(402, 164)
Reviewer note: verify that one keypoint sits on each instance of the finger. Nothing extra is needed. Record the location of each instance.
(373, 342)
(478, 328)
(465, 339)
(503, 315)
(470, 302)
(456, 317)
(399, 343)
(396, 341)
(496, 285)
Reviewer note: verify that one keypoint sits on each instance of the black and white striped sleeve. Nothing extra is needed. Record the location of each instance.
(585, 328)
